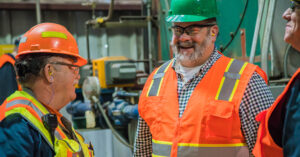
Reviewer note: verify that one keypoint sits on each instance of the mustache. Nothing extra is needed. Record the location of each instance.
(185, 44)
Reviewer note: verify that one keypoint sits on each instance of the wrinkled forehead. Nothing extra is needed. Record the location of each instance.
(61, 59)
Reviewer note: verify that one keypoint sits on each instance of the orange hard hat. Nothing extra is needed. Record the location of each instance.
(49, 38)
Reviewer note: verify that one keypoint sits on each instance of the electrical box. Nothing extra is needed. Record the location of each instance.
(114, 72)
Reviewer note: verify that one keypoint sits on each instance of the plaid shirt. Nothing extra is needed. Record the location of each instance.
(257, 97)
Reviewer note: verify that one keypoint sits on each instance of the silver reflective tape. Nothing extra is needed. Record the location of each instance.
(231, 76)
(159, 75)
(161, 149)
(226, 90)
(25, 102)
(157, 78)
(154, 89)
(185, 151)
(234, 76)
(236, 66)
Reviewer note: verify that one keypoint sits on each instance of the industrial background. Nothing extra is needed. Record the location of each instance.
(124, 40)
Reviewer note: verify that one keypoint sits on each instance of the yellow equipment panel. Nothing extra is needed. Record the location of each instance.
(99, 70)
(6, 49)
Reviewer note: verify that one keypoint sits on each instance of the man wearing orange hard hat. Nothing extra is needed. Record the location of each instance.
(47, 66)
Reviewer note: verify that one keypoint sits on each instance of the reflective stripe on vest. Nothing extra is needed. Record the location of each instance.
(163, 149)
(157, 79)
(230, 80)
(40, 114)
(233, 150)
(30, 109)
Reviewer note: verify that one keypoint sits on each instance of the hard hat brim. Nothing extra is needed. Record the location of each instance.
(80, 60)
(186, 18)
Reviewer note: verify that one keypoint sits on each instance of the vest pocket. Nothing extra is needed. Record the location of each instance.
(152, 112)
(219, 119)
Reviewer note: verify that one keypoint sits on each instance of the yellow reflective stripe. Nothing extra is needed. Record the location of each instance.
(26, 114)
(151, 84)
(220, 87)
(28, 96)
(168, 66)
(153, 155)
(211, 145)
(163, 78)
(160, 83)
(237, 82)
(52, 34)
(229, 64)
(150, 87)
(223, 79)
(243, 68)
(161, 142)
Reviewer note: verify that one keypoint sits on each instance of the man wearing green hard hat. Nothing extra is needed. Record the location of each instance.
(200, 103)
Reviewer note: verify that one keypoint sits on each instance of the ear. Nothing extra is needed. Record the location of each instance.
(214, 32)
(48, 73)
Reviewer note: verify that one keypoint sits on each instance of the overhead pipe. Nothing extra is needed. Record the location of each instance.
(257, 28)
(38, 11)
(95, 21)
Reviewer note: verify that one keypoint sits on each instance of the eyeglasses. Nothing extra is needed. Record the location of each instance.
(189, 30)
(75, 68)
(294, 6)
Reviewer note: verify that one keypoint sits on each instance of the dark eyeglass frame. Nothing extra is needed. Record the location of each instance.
(189, 29)
(294, 6)
(71, 66)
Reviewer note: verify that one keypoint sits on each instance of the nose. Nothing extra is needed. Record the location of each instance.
(184, 37)
(287, 14)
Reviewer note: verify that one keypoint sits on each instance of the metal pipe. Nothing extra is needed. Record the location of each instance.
(87, 32)
(267, 35)
(110, 11)
(149, 35)
(130, 24)
(257, 28)
(272, 58)
(38, 11)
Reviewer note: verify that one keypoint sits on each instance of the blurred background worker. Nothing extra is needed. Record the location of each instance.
(47, 66)
(201, 103)
(8, 80)
(279, 132)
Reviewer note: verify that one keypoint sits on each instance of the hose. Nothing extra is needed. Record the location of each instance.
(237, 29)
(117, 135)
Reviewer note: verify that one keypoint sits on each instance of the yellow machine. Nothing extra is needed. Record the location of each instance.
(6, 49)
(114, 72)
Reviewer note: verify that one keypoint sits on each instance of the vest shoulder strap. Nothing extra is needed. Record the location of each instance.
(6, 58)
(157, 79)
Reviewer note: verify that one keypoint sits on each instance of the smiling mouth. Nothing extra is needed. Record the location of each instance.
(181, 47)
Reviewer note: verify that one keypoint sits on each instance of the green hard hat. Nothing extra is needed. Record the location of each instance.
(192, 10)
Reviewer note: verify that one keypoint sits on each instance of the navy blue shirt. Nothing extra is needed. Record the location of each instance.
(8, 81)
(291, 127)
(19, 138)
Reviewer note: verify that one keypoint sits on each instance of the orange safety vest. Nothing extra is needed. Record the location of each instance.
(7, 59)
(210, 124)
(265, 145)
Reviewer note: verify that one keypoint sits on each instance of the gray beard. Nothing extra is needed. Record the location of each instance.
(191, 57)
